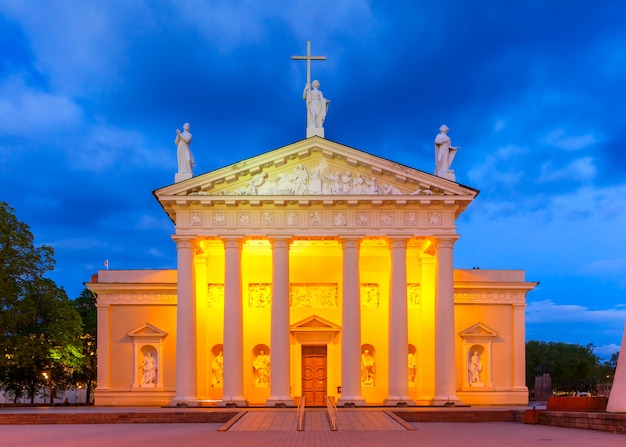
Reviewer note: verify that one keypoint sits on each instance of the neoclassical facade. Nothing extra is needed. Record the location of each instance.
(312, 270)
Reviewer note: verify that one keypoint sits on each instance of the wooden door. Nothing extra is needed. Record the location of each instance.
(314, 375)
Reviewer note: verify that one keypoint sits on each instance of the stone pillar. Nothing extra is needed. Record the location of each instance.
(185, 323)
(280, 395)
(233, 326)
(519, 349)
(102, 311)
(445, 367)
(351, 322)
(398, 388)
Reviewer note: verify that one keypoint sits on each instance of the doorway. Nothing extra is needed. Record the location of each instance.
(314, 375)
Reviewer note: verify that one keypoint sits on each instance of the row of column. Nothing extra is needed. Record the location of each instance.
(351, 324)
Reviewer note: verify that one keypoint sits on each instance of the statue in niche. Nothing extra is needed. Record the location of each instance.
(149, 368)
(444, 154)
(474, 369)
(218, 370)
(261, 365)
(368, 371)
(412, 367)
(185, 158)
(316, 104)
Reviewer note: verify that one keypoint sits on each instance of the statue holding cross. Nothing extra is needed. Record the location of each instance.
(316, 104)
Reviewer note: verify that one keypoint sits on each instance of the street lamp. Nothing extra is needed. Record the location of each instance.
(48, 376)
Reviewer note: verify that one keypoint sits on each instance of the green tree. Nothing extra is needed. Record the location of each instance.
(44, 345)
(21, 262)
(86, 375)
(572, 367)
(39, 328)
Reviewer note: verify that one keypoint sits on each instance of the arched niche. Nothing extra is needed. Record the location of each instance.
(368, 365)
(147, 356)
(477, 357)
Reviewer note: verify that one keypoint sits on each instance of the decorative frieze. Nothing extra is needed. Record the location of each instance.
(215, 299)
(311, 296)
(259, 295)
(413, 295)
(490, 296)
(137, 298)
(370, 296)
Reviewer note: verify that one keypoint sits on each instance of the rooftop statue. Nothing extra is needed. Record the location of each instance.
(185, 158)
(316, 105)
(444, 154)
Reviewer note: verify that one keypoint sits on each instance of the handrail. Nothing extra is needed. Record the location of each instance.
(301, 415)
(331, 411)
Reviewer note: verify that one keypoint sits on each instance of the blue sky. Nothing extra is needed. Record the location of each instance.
(533, 92)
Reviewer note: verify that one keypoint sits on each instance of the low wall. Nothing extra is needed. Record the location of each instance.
(594, 404)
(611, 422)
(443, 415)
(130, 417)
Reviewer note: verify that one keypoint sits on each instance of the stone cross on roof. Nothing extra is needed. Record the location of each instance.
(308, 58)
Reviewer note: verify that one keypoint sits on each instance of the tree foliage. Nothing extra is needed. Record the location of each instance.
(572, 367)
(40, 329)
(86, 375)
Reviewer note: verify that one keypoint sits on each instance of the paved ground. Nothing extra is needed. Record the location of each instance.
(257, 428)
(496, 434)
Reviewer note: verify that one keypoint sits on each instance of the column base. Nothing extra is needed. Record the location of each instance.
(233, 401)
(446, 401)
(280, 401)
(351, 401)
(398, 401)
(184, 402)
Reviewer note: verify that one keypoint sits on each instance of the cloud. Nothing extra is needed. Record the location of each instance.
(606, 351)
(582, 169)
(34, 114)
(547, 311)
(560, 140)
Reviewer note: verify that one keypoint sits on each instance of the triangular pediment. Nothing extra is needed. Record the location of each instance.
(147, 330)
(315, 323)
(314, 169)
(478, 330)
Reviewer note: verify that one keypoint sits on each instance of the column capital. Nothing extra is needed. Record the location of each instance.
(183, 241)
(445, 241)
(281, 240)
(351, 240)
(397, 241)
(232, 240)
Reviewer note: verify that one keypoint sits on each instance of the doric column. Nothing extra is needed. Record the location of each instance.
(102, 311)
(445, 383)
(519, 350)
(233, 326)
(185, 323)
(351, 322)
(279, 354)
(398, 388)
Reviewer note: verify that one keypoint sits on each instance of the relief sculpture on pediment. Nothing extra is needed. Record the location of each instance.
(318, 180)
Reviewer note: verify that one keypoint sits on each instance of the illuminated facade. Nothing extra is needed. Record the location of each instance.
(312, 270)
